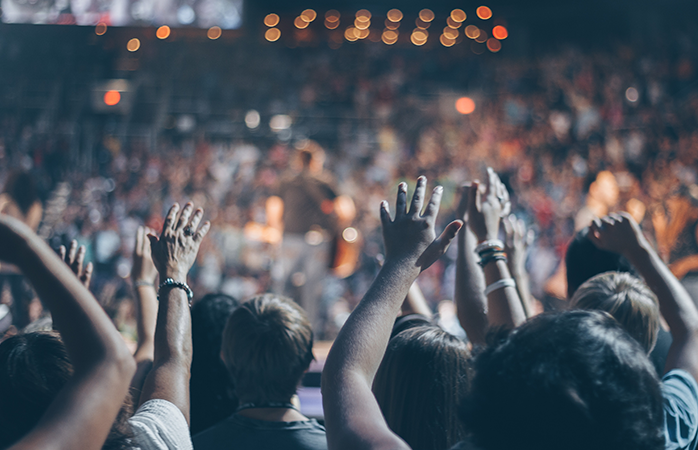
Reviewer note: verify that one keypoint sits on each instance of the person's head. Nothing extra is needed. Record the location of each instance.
(584, 260)
(21, 188)
(267, 347)
(423, 374)
(627, 299)
(573, 380)
(311, 156)
(211, 390)
(34, 367)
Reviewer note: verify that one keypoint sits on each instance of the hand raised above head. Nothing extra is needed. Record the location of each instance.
(486, 208)
(410, 237)
(143, 269)
(617, 233)
(174, 252)
(75, 258)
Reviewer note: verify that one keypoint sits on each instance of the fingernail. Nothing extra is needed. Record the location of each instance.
(438, 189)
(402, 186)
(384, 204)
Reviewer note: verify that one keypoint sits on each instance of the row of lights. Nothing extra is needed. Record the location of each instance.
(161, 33)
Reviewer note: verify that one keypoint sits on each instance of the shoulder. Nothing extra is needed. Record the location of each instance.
(160, 425)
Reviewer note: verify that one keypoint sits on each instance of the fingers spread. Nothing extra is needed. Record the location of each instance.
(79, 260)
(385, 214)
(140, 238)
(62, 252)
(72, 251)
(433, 206)
(449, 233)
(418, 197)
(184, 217)
(202, 231)
(87, 274)
(195, 219)
(492, 185)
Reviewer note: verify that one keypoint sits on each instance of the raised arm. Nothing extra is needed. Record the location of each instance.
(471, 302)
(352, 416)
(621, 234)
(143, 276)
(485, 210)
(174, 253)
(82, 413)
(516, 244)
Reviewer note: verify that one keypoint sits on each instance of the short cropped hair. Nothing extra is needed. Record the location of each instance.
(627, 299)
(574, 380)
(267, 347)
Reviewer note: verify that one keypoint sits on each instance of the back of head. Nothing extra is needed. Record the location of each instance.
(34, 367)
(584, 260)
(627, 299)
(572, 380)
(423, 374)
(267, 347)
(211, 390)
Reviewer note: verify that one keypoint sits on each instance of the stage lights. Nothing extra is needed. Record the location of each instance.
(465, 105)
(100, 29)
(133, 45)
(500, 32)
(484, 13)
(272, 34)
(271, 20)
(112, 98)
(163, 32)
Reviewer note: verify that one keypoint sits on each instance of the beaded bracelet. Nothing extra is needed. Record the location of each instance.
(169, 283)
(492, 244)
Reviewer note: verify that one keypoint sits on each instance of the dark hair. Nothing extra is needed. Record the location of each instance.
(573, 380)
(584, 260)
(211, 391)
(423, 374)
(34, 367)
(21, 187)
(627, 299)
(267, 346)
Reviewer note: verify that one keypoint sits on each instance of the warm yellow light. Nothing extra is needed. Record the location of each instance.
(363, 13)
(133, 45)
(446, 41)
(452, 23)
(450, 33)
(465, 105)
(420, 34)
(417, 41)
(389, 37)
(472, 31)
(458, 15)
(272, 34)
(362, 34)
(350, 34)
(308, 15)
(214, 33)
(426, 15)
(482, 37)
(300, 23)
(163, 32)
(332, 15)
(394, 15)
(422, 24)
(500, 32)
(100, 29)
(271, 20)
(484, 13)
(391, 25)
(331, 25)
(494, 45)
(362, 25)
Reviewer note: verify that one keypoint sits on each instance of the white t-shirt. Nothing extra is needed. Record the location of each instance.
(160, 425)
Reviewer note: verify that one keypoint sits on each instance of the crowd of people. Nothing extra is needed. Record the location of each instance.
(564, 315)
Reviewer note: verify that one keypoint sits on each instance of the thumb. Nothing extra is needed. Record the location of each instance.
(153, 240)
(449, 234)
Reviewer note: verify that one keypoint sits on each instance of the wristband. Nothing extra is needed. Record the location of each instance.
(501, 284)
(169, 283)
(140, 283)
(495, 256)
(492, 244)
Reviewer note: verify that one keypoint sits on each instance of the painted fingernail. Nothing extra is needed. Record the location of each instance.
(384, 204)
(402, 187)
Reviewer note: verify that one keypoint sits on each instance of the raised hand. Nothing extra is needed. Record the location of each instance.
(462, 208)
(517, 242)
(174, 252)
(617, 233)
(486, 208)
(75, 258)
(143, 269)
(410, 238)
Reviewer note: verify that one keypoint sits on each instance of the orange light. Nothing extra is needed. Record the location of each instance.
(426, 15)
(394, 15)
(391, 25)
(112, 98)
(214, 33)
(350, 34)
(472, 31)
(300, 23)
(482, 37)
(452, 23)
(100, 29)
(446, 41)
(163, 32)
(332, 15)
(465, 105)
(362, 34)
(331, 25)
(494, 45)
(364, 14)
(272, 34)
(450, 33)
(133, 45)
(419, 37)
(362, 25)
(484, 13)
(500, 32)
(308, 15)
(389, 37)
(271, 20)
(422, 24)
(458, 15)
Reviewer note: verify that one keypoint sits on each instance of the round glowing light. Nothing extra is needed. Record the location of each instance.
(458, 15)
(390, 35)
(387, 40)
(446, 41)
(163, 32)
(472, 31)
(417, 42)
(300, 23)
(350, 234)
(465, 105)
(100, 29)
(362, 25)
(271, 20)
(112, 98)
(214, 33)
(482, 37)
(350, 34)
(420, 34)
(332, 15)
(422, 24)
(331, 25)
(363, 13)
(450, 33)
(484, 13)
(252, 119)
(452, 23)
(632, 94)
(494, 45)
(133, 45)
(500, 32)
(362, 34)
(426, 15)
(394, 15)
(308, 15)
(272, 34)
(391, 25)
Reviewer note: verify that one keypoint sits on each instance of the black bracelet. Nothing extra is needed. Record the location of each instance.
(499, 256)
(169, 283)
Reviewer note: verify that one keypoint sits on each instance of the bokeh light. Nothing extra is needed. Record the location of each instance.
(465, 105)
(632, 95)
(389, 37)
(427, 15)
(112, 98)
(350, 34)
(452, 23)
(482, 37)
(484, 13)
(450, 33)
(446, 41)
(300, 23)
(422, 24)
(500, 32)
(394, 15)
(419, 37)
(391, 25)
(331, 25)
(472, 31)
(272, 34)
(214, 33)
(364, 14)
(308, 15)
(100, 29)
(332, 15)
(361, 24)
(163, 32)
(271, 20)
(494, 45)
(458, 15)
(133, 45)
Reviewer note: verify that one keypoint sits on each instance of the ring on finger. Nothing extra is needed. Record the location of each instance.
(188, 231)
